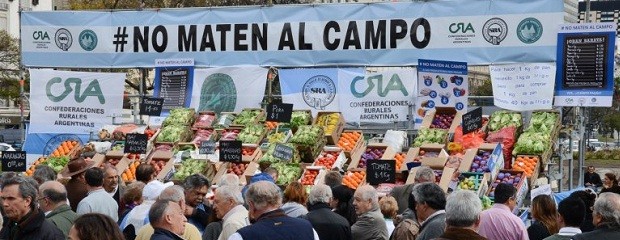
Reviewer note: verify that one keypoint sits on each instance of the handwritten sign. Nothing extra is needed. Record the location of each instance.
(206, 147)
(230, 151)
(13, 161)
(279, 112)
(381, 171)
(472, 121)
(136, 143)
(523, 87)
(151, 106)
(283, 152)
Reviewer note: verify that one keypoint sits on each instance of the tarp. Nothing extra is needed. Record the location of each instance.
(39, 144)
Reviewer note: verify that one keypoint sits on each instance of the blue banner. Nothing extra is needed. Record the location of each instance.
(174, 85)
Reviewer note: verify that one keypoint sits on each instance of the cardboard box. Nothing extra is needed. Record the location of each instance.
(338, 154)
(256, 153)
(121, 165)
(332, 137)
(358, 145)
(439, 161)
(537, 167)
(319, 177)
(430, 115)
(168, 170)
(496, 159)
(468, 159)
(388, 154)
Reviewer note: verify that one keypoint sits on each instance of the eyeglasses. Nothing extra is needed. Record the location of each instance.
(41, 198)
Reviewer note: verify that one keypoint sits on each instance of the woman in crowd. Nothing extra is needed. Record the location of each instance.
(95, 226)
(389, 209)
(295, 197)
(131, 198)
(610, 183)
(545, 214)
(588, 197)
(342, 203)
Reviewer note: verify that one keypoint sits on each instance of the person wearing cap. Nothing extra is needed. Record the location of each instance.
(98, 200)
(76, 187)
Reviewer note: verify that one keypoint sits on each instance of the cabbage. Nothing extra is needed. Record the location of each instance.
(502, 119)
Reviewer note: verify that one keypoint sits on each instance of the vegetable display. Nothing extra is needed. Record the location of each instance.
(150, 132)
(247, 116)
(327, 159)
(204, 120)
(400, 159)
(271, 125)
(481, 162)
(329, 122)
(268, 156)
(472, 182)
(229, 134)
(57, 163)
(430, 135)
(224, 121)
(203, 135)
(277, 136)
(526, 164)
(251, 133)
(173, 133)
(543, 122)
(32, 167)
(180, 116)
(189, 167)
(502, 119)
(424, 154)
(236, 168)
(299, 118)
(158, 164)
(287, 172)
(532, 143)
(64, 148)
(307, 135)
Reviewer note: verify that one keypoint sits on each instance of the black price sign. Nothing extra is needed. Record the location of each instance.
(381, 171)
(151, 106)
(585, 61)
(135, 143)
(13, 161)
(206, 147)
(230, 151)
(279, 112)
(472, 121)
(283, 152)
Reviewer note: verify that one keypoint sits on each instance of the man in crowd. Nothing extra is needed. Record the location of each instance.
(53, 202)
(370, 223)
(606, 218)
(333, 179)
(98, 200)
(499, 222)
(269, 221)
(401, 193)
(76, 187)
(591, 179)
(228, 206)
(168, 220)
(328, 224)
(196, 187)
(430, 202)
(43, 173)
(25, 220)
(572, 212)
(110, 183)
(463, 210)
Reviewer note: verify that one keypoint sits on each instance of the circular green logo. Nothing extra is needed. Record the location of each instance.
(529, 30)
(88, 40)
(218, 94)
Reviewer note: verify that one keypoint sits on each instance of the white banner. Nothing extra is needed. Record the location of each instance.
(73, 102)
(382, 97)
(314, 89)
(228, 89)
(523, 87)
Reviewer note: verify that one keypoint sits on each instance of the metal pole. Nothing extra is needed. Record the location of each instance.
(22, 95)
(581, 118)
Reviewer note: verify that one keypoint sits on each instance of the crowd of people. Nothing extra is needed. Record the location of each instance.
(95, 205)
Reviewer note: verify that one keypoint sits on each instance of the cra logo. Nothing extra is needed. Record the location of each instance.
(529, 30)
(88, 40)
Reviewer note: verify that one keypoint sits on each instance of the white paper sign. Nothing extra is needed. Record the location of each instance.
(523, 87)
(541, 190)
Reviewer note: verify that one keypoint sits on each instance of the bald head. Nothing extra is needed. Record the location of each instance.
(53, 191)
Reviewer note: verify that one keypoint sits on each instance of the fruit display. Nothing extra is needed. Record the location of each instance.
(189, 167)
(424, 154)
(329, 122)
(309, 177)
(353, 179)
(348, 140)
(299, 118)
(158, 164)
(130, 173)
(180, 117)
(268, 156)
(224, 121)
(442, 120)
(280, 136)
(247, 151)
(204, 120)
(371, 153)
(327, 159)
(471, 182)
(481, 162)
(271, 125)
(251, 134)
(203, 135)
(400, 159)
(133, 156)
(526, 164)
(307, 135)
(287, 172)
(247, 116)
(173, 133)
(502, 119)
(113, 160)
(430, 135)
(118, 146)
(508, 177)
(236, 168)
(32, 167)
(150, 132)
(64, 148)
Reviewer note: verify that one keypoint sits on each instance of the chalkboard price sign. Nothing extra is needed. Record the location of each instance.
(381, 171)
(283, 152)
(136, 143)
(206, 147)
(151, 106)
(230, 151)
(472, 121)
(13, 161)
(279, 112)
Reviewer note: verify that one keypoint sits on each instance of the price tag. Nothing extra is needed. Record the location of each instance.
(279, 112)
(472, 121)
(206, 147)
(136, 143)
(151, 106)
(13, 161)
(230, 151)
(283, 152)
(380, 171)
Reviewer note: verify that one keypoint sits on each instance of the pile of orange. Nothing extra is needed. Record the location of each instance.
(348, 140)
(64, 148)
(353, 179)
(130, 173)
(400, 159)
(30, 170)
(309, 177)
(526, 164)
(271, 125)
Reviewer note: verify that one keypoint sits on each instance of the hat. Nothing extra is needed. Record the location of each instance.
(77, 166)
(152, 189)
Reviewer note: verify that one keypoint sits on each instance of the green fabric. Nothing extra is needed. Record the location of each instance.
(63, 217)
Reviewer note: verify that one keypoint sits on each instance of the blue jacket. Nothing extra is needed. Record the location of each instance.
(277, 225)
(163, 234)
(258, 177)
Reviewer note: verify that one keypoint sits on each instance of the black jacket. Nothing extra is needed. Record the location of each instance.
(163, 234)
(327, 224)
(613, 189)
(538, 231)
(592, 178)
(33, 226)
(401, 194)
(600, 233)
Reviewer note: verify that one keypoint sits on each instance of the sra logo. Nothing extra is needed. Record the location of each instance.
(319, 91)
(74, 85)
(461, 28)
(377, 82)
(40, 35)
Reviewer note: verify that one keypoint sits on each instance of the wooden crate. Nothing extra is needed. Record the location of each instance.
(332, 137)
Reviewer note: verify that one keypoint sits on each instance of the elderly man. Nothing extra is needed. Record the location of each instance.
(136, 217)
(328, 224)
(110, 183)
(196, 188)
(370, 223)
(98, 200)
(176, 195)
(53, 201)
(606, 218)
(333, 179)
(25, 220)
(429, 203)
(269, 221)
(572, 211)
(168, 220)
(401, 193)
(463, 210)
(228, 206)
(499, 222)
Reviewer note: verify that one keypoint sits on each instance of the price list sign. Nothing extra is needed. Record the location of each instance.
(585, 65)
(174, 84)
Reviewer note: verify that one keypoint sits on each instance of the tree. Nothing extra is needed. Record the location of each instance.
(9, 67)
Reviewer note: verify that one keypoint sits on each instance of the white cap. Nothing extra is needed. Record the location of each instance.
(152, 189)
